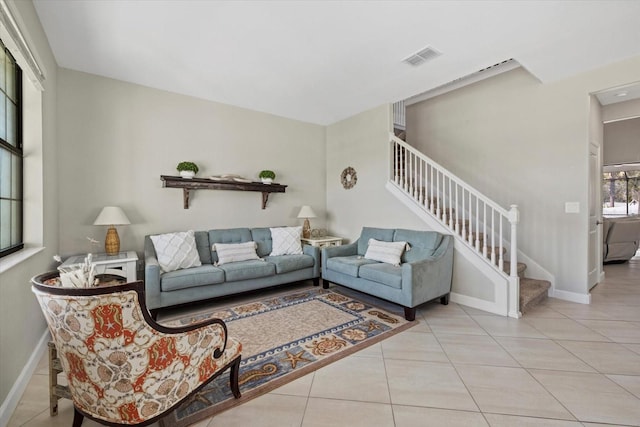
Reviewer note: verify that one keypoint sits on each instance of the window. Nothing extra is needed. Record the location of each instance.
(11, 201)
(621, 190)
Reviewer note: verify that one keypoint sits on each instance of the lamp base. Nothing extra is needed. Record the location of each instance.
(112, 242)
(306, 229)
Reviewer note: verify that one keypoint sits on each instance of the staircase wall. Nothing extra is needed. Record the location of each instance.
(362, 142)
(522, 142)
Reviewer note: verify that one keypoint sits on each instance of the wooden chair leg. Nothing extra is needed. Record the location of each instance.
(77, 418)
(325, 284)
(234, 373)
(316, 281)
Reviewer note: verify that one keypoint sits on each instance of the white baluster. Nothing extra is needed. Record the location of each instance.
(477, 224)
(395, 163)
(438, 194)
(457, 226)
(464, 213)
(501, 256)
(493, 238)
(484, 220)
(470, 220)
(514, 218)
(450, 205)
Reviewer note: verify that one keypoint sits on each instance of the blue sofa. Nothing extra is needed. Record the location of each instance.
(425, 272)
(210, 281)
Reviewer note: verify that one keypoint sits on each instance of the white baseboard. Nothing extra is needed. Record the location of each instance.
(478, 303)
(15, 394)
(570, 296)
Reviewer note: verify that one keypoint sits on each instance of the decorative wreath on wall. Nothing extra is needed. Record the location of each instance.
(348, 178)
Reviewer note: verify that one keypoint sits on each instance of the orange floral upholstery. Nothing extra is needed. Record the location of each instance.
(121, 366)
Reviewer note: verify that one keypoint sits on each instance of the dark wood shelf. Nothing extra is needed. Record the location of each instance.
(209, 184)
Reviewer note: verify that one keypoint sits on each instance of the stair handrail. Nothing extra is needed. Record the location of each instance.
(511, 215)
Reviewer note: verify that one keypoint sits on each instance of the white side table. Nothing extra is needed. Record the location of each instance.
(122, 264)
(322, 242)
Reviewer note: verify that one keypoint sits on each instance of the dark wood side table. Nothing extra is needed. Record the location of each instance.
(56, 391)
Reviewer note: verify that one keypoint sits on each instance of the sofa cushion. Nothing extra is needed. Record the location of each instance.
(384, 234)
(203, 246)
(287, 263)
(389, 252)
(229, 235)
(348, 264)
(262, 237)
(176, 250)
(382, 273)
(286, 241)
(245, 270)
(191, 277)
(423, 243)
(235, 252)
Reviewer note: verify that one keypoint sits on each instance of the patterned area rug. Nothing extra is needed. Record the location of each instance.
(285, 337)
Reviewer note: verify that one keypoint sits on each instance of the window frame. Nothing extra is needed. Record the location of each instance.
(17, 150)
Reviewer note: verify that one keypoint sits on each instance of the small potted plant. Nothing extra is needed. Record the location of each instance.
(187, 169)
(267, 176)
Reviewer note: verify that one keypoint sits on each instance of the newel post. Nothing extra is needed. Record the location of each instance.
(514, 218)
(514, 280)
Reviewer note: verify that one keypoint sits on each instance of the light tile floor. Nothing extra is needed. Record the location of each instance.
(561, 365)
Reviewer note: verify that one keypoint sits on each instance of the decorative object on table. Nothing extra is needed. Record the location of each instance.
(78, 275)
(319, 232)
(348, 178)
(281, 344)
(107, 344)
(267, 176)
(112, 216)
(306, 212)
(187, 169)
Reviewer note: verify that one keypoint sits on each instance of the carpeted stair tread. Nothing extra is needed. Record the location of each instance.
(532, 292)
(521, 268)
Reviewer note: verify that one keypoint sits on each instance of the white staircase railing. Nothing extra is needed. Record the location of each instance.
(473, 218)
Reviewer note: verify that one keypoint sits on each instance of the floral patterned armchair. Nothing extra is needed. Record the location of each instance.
(122, 367)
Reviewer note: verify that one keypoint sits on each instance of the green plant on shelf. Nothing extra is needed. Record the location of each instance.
(267, 174)
(187, 166)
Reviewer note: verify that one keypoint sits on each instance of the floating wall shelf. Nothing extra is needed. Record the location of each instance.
(208, 184)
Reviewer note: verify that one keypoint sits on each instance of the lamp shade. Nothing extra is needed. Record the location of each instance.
(111, 215)
(306, 212)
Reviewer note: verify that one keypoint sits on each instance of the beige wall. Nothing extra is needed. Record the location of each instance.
(116, 139)
(622, 142)
(21, 324)
(525, 143)
(362, 142)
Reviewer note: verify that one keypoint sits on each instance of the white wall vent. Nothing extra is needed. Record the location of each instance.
(422, 56)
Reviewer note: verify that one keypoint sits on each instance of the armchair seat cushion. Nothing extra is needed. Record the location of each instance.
(383, 273)
(287, 263)
(244, 270)
(348, 265)
(191, 277)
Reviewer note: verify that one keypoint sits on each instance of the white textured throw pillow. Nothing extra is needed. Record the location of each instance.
(234, 252)
(286, 241)
(389, 252)
(176, 250)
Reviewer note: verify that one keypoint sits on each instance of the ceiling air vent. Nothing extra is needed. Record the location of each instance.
(422, 56)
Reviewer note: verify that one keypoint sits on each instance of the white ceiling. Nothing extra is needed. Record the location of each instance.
(323, 61)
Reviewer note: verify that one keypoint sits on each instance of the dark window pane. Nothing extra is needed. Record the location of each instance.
(16, 177)
(12, 121)
(16, 223)
(5, 174)
(3, 117)
(10, 70)
(2, 72)
(5, 224)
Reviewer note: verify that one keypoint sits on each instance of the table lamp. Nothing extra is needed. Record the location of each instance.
(306, 212)
(111, 216)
